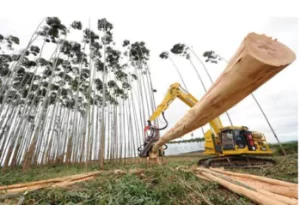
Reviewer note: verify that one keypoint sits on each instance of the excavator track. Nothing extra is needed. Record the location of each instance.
(236, 162)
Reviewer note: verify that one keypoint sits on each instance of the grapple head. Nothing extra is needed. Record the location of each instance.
(151, 136)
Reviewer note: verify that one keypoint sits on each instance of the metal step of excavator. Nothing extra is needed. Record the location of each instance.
(236, 162)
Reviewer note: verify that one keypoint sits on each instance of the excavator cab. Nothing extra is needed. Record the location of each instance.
(242, 141)
(234, 138)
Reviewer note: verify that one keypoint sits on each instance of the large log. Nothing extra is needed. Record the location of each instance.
(285, 194)
(251, 194)
(48, 181)
(291, 192)
(256, 61)
(257, 178)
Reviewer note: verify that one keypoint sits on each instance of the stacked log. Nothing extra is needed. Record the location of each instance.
(261, 190)
(59, 182)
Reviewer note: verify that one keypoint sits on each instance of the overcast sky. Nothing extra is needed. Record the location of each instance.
(205, 25)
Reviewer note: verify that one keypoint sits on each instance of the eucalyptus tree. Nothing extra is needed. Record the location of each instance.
(47, 104)
(73, 56)
(113, 65)
(23, 78)
(165, 55)
(139, 56)
(138, 124)
(52, 33)
(16, 66)
(106, 27)
(6, 61)
(62, 93)
(184, 51)
(112, 124)
(68, 81)
(125, 96)
(119, 85)
(212, 57)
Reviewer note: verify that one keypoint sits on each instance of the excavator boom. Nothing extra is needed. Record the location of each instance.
(176, 91)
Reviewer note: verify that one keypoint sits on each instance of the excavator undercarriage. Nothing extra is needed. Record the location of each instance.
(236, 162)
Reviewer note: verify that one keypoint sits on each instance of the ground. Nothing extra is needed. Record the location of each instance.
(158, 185)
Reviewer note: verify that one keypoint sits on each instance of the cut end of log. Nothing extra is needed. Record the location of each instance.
(268, 51)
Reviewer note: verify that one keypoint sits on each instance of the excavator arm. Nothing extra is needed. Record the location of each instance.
(169, 98)
(174, 91)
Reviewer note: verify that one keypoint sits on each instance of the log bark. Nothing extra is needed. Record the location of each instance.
(257, 60)
(253, 195)
(290, 192)
(280, 193)
(257, 178)
(284, 194)
(43, 183)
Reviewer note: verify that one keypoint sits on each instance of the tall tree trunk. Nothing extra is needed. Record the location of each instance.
(102, 140)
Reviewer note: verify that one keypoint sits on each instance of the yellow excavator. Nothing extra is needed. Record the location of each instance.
(234, 146)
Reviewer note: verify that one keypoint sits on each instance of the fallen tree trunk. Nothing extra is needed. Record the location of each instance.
(251, 194)
(290, 192)
(60, 182)
(258, 178)
(47, 181)
(280, 193)
(68, 183)
(256, 61)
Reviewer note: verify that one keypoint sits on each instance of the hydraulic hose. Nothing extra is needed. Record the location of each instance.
(163, 114)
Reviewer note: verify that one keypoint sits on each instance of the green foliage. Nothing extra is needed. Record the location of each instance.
(181, 50)
(73, 61)
(13, 39)
(164, 55)
(126, 43)
(90, 35)
(76, 25)
(211, 57)
(104, 25)
(34, 50)
(289, 147)
(139, 52)
(52, 30)
(112, 56)
(178, 48)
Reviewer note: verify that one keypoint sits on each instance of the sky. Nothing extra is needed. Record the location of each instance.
(204, 25)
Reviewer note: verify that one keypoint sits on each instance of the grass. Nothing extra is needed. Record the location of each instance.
(158, 185)
(289, 147)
